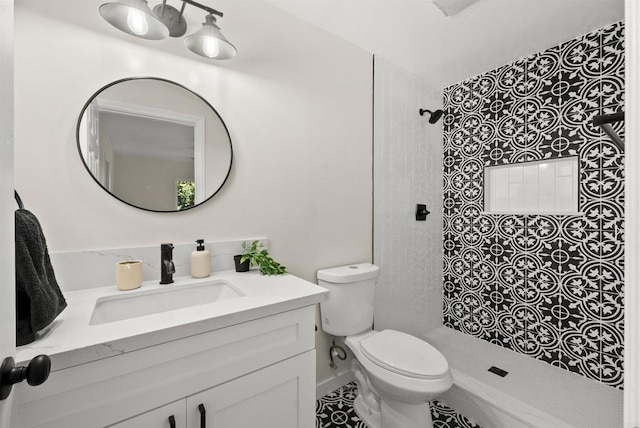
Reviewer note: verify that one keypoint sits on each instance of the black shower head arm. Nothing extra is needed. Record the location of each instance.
(434, 116)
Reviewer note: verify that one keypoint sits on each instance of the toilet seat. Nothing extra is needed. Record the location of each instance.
(404, 354)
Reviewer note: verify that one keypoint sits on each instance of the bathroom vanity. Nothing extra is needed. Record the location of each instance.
(232, 350)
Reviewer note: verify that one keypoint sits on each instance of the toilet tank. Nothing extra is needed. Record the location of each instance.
(349, 309)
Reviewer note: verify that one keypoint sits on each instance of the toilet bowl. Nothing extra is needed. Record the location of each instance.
(397, 374)
(402, 372)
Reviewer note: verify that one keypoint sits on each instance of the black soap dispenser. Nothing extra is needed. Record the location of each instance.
(200, 261)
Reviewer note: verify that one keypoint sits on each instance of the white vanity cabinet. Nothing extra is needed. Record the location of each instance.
(281, 395)
(255, 373)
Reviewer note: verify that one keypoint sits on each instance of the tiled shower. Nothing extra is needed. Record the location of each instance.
(546, 285)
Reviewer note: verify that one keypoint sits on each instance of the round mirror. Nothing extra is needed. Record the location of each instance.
(154, 144)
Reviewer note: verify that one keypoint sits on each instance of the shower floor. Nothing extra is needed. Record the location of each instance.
(534, 393)
(335, 410)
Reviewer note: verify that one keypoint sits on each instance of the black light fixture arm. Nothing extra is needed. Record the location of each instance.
(192, 3)
(200, 6)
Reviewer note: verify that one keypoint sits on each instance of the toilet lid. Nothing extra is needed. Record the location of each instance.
(404, 354)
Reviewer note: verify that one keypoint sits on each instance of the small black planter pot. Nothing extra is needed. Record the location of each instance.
(241, 267)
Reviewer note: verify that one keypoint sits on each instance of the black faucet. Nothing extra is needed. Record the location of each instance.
(167, 268)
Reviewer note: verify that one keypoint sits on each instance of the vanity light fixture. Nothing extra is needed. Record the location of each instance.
(134, 17)
(209, 42)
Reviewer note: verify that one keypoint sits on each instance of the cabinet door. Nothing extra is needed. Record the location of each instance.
(172, 415)
(281, 396)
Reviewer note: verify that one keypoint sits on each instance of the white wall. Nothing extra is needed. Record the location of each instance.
(407, 171)
(416, 36)
(298, 108)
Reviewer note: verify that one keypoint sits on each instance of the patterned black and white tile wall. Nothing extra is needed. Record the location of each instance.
(549, 286)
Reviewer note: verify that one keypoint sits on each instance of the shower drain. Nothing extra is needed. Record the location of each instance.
(498, 371)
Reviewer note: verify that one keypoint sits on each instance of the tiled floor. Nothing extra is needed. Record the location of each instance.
(335, 410)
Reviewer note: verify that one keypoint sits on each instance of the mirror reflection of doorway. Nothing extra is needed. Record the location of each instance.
(140, 154)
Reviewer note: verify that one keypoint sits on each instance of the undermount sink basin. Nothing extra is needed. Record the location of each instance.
(121, 307)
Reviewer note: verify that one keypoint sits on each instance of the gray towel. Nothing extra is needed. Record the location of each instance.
(38, 298)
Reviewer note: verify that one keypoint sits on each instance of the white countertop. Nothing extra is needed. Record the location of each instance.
(70, 340)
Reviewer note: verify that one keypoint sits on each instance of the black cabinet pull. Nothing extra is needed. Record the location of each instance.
(203, 416)
(172, 422)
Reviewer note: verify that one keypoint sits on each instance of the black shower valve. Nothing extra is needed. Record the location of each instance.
(421, 212)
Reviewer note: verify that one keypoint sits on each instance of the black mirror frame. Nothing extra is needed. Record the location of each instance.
(126, 79)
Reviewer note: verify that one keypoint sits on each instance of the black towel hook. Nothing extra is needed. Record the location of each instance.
(18, 199)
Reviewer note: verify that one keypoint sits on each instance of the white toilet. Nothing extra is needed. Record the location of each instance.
(397, 374)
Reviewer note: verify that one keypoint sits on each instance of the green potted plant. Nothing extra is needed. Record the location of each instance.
(256, 255)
